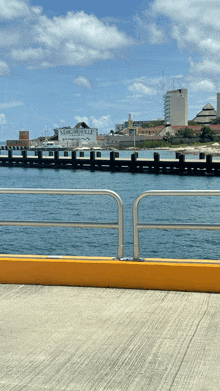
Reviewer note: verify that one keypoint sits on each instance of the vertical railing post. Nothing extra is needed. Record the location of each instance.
(10, 156)
(24, 154)
(112, 160)
(39, 155)
(56, 158)
(74, 165)
(182, 163)
(134, 157)
(92, 159)
(136, 248)
(209, 164)
(156, 161)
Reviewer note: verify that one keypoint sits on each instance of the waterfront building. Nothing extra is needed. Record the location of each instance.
(125, 125)
(218, 104)
(176, 107)
(139, 127)
(205, 116)
(132, 124)
(80, 135)
(22, 142)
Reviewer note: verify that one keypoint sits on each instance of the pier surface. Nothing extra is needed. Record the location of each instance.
(92, 339)
(179, 166)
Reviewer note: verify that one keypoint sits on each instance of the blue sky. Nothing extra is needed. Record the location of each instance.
(65, 62)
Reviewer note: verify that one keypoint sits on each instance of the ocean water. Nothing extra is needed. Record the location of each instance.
(103, 242)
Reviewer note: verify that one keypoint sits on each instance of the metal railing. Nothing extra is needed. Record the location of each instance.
(161, 193)
(118, 225)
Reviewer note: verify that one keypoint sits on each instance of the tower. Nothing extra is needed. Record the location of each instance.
(130, 120)
(218, 104)
(176, 107)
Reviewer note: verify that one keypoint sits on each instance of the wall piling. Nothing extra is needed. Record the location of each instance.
(180, 165)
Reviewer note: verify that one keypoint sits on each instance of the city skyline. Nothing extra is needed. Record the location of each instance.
(61, 64)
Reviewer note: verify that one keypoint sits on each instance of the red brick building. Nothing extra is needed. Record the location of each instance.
(22, 142)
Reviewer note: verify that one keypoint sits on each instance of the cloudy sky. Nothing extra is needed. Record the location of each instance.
(64, 62)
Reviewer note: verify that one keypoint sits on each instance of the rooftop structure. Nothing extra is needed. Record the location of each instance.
(81, 125)
(207, 114)
(176, 107)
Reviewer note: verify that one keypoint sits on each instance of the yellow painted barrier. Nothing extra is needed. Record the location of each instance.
(163, 274)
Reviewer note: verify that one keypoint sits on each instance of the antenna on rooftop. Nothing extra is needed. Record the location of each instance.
(163, 86)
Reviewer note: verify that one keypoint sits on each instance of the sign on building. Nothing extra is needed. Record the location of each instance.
(88, 135)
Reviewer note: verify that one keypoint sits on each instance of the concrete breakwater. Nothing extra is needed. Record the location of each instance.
(76, 160)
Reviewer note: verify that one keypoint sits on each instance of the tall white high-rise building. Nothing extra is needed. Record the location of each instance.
(218, 104)
(176, 107)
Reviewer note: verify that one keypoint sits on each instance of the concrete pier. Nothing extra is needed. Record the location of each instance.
(180, 166)
(88, 339)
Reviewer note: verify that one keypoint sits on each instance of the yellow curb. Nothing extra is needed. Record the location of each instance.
(160, 274)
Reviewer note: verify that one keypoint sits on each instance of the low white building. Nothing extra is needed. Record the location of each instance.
(81, 135)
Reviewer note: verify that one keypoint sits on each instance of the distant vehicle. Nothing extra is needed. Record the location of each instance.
(83, 149)
(48, 145)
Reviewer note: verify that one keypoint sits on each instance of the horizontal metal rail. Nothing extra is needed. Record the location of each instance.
(77, 224)
(165, 193)
(118, 225)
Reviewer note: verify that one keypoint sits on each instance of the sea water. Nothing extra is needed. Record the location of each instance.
(103, 242)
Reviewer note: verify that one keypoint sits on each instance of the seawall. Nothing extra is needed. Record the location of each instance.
(180, 166)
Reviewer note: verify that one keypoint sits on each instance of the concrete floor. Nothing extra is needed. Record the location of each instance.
(93, 339)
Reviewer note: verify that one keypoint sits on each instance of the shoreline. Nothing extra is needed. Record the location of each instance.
(210, 149)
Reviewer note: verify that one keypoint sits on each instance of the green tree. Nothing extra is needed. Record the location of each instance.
(207, 133)
(152, 124)
(168, 137)
(216, 121)
(193, 122)
(186, 133)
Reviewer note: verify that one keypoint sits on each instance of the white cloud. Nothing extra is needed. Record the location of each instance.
(62, 121)
(80, 29)
(141, 89)
(2, 119)
(205, 66)
(4, 68)
(11, 104)
(203, 85)
(76, 39)
(37, 10)
(27, 54)
(10, 9)
(194, 24)
(148, 29)
(82, 81)
(156, 34)
(82, 119)
(103, 123)
(8, 38)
